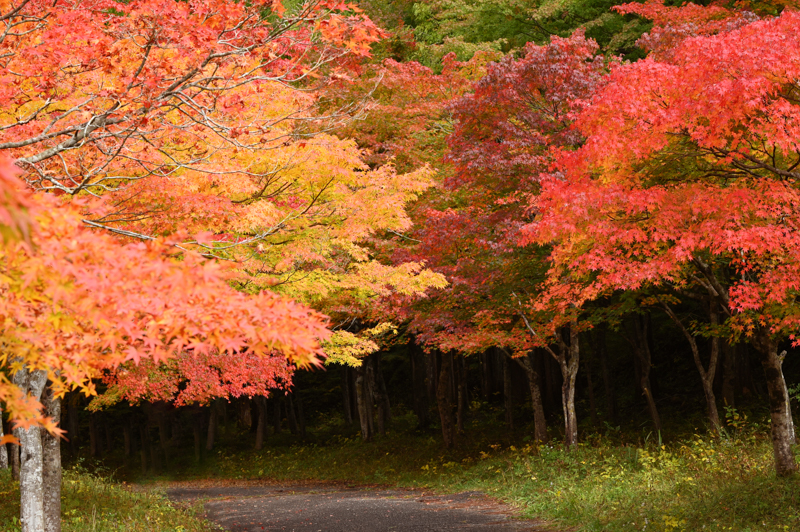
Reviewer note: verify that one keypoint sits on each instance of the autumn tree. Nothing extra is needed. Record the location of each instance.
(687, 179)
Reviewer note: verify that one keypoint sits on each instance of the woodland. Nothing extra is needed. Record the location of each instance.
(230, 229)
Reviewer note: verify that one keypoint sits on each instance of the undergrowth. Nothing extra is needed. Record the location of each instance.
(91, 503)
(696, 483)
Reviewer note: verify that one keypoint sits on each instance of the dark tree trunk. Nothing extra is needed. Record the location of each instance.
(419, 387)
(729, 375)
(363, 399)
(380, 393)
(485, 378)
(3, 448)
(14, 457)
(143, 440)
(347, 407)
(261, 426)
(782, 425)
(276, 415)
(508, 393)
(445, 401)
(291, 418)
(463, 401)
(608, 385)
(197, 436)
(126, 438)
(706, 375)
(95, 449)
(590, 389)
(72, 407)
(163, 437)
(51, 472)
(301, 418)
(641, 349)
(211, 435)
(530, 365)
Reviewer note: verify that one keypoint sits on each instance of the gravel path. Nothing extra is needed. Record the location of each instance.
(324, 507)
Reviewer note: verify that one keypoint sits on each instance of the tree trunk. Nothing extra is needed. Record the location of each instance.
(51, 472)
(508, 393)
(529, 365)
(3, 448)
(782, 425)
(461, 390)
(291, 418)
(212, 426)
(276, 415)
(641, 349)
(72, 408)
(382, 396)
(301, 418)
(569, 363)
(608, 384)
(143, 447)
(362, 398)
(14, 456)
(31, 488)
(347, 408)
(261, 427)
(163, 438)
(445, 401)
(94, 440)
(197, 436)
(728, 375)
(590, 388)
(419, 388)
(485, 381)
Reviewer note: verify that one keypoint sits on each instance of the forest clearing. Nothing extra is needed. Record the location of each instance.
(424, 265)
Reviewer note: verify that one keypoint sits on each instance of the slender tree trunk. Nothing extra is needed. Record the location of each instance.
(94, 441)
(262, 422)
(419, 387)
(301, 418)
(379, 391)
(485, 383)
(163, 438)
(3, 448)
(14, 453)
(529, 365)
(569, 371)
(445, 401)
(362, 398)
(31, 487)
(461, 390)
(51, 471)
(728, 375)
(126, 439)
(348, 409)
(143, 447)
(212, 426)
(508, 393)
(608, 385)
(72, 409)
(782, 425)
(291, 418)
(197, 436)
(641, 349)
(276, 415)
(590, 388)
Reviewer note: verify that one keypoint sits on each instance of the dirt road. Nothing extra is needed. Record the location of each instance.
(321, 507)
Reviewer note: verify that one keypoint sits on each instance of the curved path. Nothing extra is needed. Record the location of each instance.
(330, 507)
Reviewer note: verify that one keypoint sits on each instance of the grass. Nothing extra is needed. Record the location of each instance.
(692, 484)
(91, 503)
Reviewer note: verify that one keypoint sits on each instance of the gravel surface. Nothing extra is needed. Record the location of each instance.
(322, 507)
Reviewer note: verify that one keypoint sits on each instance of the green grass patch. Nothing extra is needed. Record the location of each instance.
(91, 503)
(691, 484)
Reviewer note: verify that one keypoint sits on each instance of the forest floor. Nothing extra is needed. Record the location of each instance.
(255, 506)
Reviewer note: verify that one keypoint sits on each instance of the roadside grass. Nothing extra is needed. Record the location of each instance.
(692, 484)
(91, 503)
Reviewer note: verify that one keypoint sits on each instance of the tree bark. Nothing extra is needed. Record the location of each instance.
(362, 399)
(528, 364)
(31, 487)
(261, 428)
(508, 394)
(641, 349)
(14, 457)
(782, 425)
(3, 448)
(381, 395)
(706, 375)
(445, 401)
(347, 408)
(569, 362)
(212, 426)
(51, 472)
